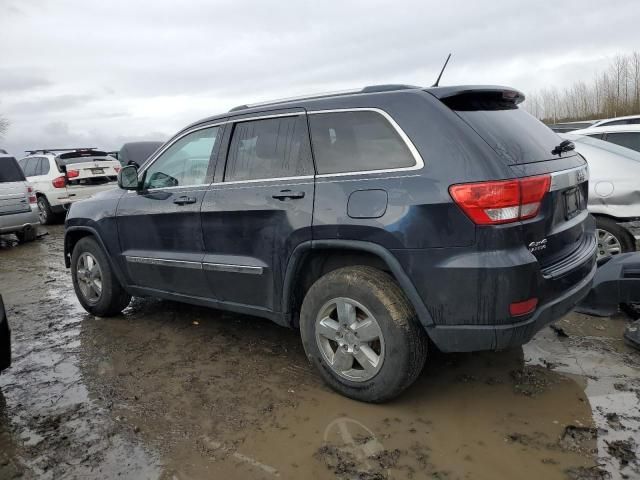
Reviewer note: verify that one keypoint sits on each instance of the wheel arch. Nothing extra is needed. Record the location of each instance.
(74, 234)
(312, 259)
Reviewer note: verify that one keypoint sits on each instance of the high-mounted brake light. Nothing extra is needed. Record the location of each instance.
(501, 201)
(59, 182)
(73, 173)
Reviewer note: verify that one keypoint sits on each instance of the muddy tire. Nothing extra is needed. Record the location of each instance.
(612, 238)
(361, 333)
(94, 282)
(46, 215)
(27, 235)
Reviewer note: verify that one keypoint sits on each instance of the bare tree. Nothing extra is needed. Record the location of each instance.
(4, 126)
(613, 92)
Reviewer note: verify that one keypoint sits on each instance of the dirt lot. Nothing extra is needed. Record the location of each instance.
(179, 392)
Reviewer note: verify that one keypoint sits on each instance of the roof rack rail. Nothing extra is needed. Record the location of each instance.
(367, 89)
(50, 150)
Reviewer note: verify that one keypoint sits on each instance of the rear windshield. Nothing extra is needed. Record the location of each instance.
(515, 135)
(10, 171)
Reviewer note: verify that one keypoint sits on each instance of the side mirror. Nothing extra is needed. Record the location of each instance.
(128, 178)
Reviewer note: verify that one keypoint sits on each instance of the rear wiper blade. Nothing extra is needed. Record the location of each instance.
(565, 146)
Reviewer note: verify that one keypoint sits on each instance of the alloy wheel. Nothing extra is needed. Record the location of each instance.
(350, 339)
(89, 276)
(608, 244)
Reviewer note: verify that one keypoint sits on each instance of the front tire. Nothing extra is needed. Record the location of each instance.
(361, 333)
(94, 282)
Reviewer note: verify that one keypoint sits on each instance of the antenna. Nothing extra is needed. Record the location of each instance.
(442, 71)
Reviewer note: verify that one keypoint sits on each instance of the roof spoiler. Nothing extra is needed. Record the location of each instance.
(507, 93)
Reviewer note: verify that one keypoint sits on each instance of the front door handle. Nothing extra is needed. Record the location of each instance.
(184, 200)
(287, 194)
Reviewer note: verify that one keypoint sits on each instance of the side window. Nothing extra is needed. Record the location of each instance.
(39, 166)
(625, 139)
(614, 122)
(270, 148)
(599, 136)
(185, 162)
(29, 166)
(355, 142)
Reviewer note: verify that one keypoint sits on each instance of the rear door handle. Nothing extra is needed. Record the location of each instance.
(184, 200)
(287, 194)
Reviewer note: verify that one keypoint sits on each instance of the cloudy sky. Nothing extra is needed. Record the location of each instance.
(99, 73)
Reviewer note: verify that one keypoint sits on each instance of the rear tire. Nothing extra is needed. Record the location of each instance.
(27, 235)
(47, 217)
(378, 310)
(612, 239)
(94, 282)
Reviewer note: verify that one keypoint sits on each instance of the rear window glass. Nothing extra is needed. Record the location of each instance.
(356, 141)
(515, 135)
(10, 171)
(72, 160)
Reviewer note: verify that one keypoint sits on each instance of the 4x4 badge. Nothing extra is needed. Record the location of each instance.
(537, 246)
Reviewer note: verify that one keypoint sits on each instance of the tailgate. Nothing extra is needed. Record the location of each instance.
(559, 235)
(14, 198)
(92, 172)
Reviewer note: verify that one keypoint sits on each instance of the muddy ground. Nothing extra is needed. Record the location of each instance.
(178, 392)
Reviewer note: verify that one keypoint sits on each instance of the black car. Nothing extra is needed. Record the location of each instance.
(5, 339)
(372, 221)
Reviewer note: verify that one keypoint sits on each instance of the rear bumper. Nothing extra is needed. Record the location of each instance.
(469, 338)
(19, 221)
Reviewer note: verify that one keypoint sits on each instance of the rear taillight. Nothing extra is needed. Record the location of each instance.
(117, 169)
(32, 195)
(501, 201)
(73, 173)
(59, 182)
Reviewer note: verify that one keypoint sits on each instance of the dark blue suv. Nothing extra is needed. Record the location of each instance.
(373, 221)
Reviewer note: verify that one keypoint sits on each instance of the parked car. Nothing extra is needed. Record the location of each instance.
(372, 221)
(5, 339)
(18, 208)
(628, 120)
(614, 193)
(136, 153)
(623, 135)
(63, 176)
(571, 126)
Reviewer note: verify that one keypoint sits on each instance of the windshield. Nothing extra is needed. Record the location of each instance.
(10, 171)
(514, 134)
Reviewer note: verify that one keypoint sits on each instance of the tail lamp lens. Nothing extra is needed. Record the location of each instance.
(32, 195)
(501, 201)
(59, 182)
(72, 173)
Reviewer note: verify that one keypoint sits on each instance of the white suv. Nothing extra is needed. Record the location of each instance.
(18, 211)
(59, 179)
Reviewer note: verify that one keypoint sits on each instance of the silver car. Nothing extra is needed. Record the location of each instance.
(18, 207)
(614, 193)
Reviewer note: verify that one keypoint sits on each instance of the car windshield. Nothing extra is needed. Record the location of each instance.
(10, 171)
(603, 145)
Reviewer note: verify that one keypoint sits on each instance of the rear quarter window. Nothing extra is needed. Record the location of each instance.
(625, 139)
(10, 171)
(356, 141)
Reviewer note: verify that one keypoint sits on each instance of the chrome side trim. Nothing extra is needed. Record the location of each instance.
(414, 151)
(165, 263)
(569, 178)
(218, 267)
(223, 267)
(412, 148)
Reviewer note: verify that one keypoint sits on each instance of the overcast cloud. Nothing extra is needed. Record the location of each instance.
(88, 73)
